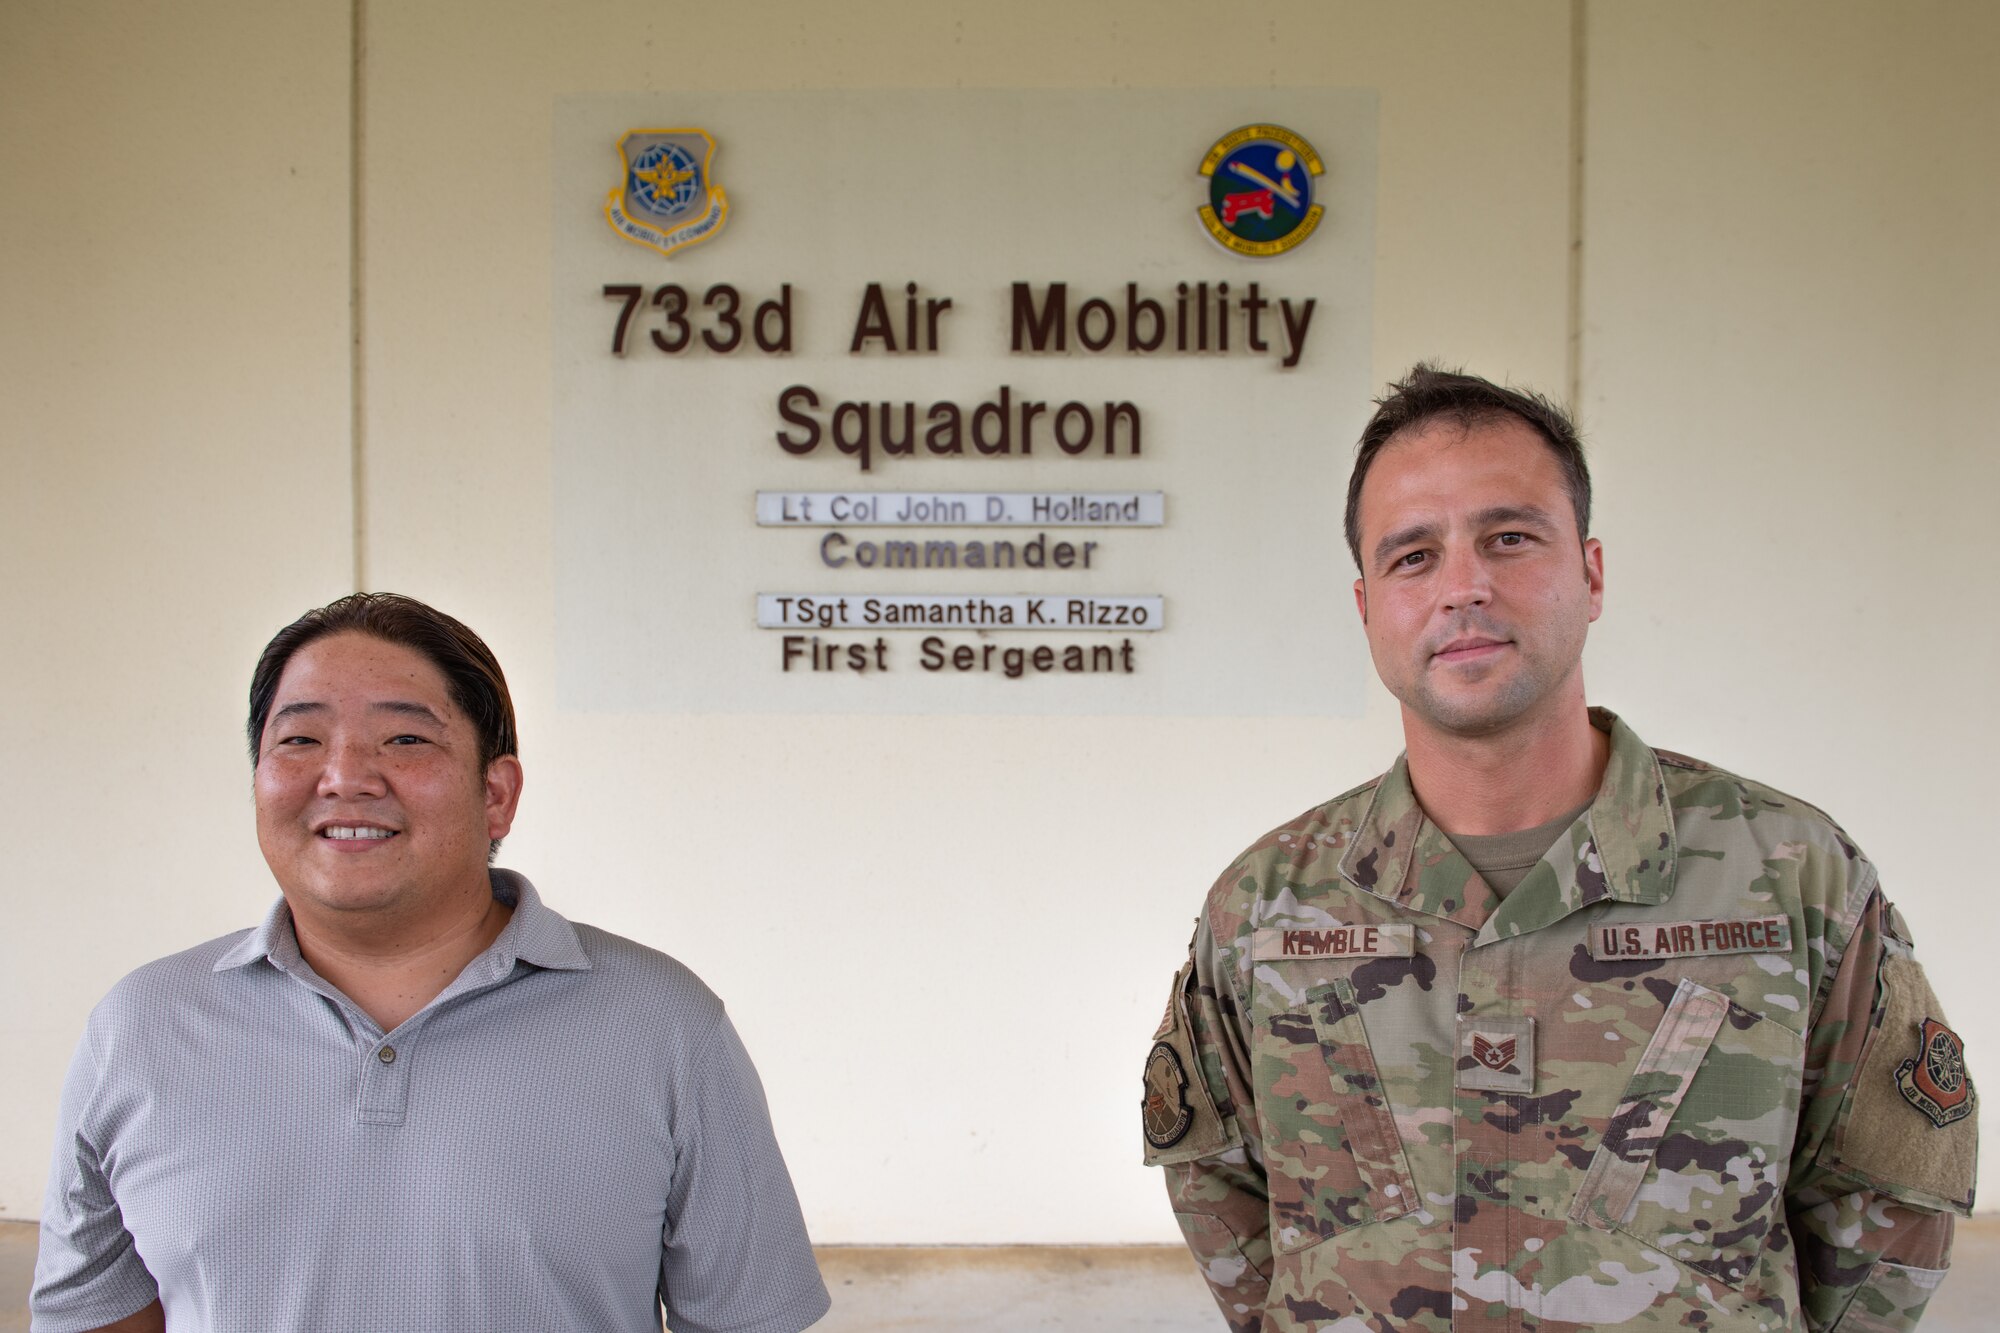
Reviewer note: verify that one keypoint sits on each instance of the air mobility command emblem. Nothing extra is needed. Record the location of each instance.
(668, 198)
(1260, 190)
(1934, 1082)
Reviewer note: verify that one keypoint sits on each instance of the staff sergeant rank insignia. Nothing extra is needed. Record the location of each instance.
(1934, 1082)
(668, 199)
(1260, 190)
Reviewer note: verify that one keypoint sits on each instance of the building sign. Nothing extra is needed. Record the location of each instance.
(1016, 402)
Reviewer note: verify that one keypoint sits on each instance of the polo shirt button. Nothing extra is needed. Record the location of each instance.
(387, 1055)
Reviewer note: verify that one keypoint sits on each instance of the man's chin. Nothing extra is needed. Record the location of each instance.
(1486, 714)
(342, 898)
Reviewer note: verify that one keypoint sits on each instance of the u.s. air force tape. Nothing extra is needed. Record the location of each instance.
(1391, 939)
(1616, 942)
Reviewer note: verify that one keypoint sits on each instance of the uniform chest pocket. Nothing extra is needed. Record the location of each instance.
(1693, 1160)
(1331, 1148)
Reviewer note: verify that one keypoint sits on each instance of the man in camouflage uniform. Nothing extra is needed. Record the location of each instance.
(1545, 1029)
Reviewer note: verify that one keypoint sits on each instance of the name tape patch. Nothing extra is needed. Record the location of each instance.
(1387, 940)
(1684, 939)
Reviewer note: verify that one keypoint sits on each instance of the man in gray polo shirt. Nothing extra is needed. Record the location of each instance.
(414, 1097)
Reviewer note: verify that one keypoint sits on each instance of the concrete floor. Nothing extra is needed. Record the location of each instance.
(1103, 1289)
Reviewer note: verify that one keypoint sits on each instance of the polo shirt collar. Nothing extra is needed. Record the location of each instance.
(536, 934)
(1621, 849)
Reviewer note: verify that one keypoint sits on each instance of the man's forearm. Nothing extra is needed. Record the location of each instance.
(152, 1319)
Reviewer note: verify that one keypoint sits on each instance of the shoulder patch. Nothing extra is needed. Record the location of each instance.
(1933, 1080)
(1176, 1113)
(1168, 1115)
(1909, 1126)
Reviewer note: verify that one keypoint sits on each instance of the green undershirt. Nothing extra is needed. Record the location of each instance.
(1503, 860)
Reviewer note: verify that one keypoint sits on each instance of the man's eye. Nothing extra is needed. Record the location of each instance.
(1410, 561)
(295, 740)
(409, 740)
(1512, 538)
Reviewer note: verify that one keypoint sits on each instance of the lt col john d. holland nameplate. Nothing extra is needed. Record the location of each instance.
(971, 509)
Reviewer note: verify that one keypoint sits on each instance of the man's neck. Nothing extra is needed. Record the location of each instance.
(392, 969)
(1507, 782)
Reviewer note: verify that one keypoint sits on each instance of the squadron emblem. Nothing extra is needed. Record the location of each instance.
(1167, 1113)
(1934, 1082)
(668, 198)
(1260, 190)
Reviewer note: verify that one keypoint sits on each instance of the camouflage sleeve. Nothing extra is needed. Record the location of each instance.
(1886, 1142)
(1199, 1122)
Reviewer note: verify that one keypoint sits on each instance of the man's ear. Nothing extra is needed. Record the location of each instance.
(1361, 599)
(503, 794)
(1593, 574)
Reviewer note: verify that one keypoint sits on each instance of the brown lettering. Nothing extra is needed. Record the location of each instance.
(1684, 939)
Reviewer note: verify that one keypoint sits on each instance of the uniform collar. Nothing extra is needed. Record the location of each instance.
(536, 934)
(1621, 849)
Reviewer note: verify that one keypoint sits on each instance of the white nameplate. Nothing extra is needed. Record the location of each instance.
(847, 610)
(962, 509)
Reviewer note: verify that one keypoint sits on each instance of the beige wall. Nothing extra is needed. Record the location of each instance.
(173, 477)
(1769, 196)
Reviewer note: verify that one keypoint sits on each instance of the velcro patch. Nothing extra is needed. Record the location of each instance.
(1880, 1138)
(1177, 1114)
(1686, 939)
(1384, 940)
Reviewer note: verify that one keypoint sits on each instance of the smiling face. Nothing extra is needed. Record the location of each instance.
(1476, 592)
(370, 797)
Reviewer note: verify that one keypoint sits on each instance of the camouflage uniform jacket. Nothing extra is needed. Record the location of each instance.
(1687, 1074)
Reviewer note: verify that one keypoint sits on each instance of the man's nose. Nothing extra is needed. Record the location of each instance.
(352, 769)
(1467, 581)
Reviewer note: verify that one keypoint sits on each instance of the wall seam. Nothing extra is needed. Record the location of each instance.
(1578, 107)
(356, 382)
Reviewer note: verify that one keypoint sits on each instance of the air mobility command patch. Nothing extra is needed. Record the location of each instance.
(668, 198)
(1260, 190)
(1934, 1080)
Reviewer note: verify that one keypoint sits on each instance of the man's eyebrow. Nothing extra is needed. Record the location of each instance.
(1421, 531)
(404, 707)
(1530, 514)
(408, 709)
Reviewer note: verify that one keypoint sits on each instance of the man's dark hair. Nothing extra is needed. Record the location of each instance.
(469, 668)
(1430, 393)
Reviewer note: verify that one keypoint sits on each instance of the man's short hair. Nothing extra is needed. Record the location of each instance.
(470, 670)
(1431, 393)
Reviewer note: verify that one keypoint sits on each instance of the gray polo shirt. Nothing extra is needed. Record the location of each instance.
(568, 1136)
